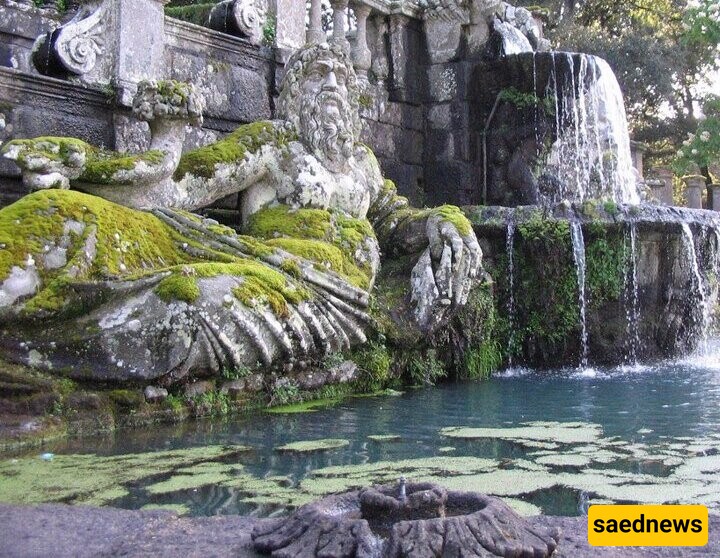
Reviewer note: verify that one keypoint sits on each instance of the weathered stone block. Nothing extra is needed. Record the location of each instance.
(439, 145)
(443, 82)
(440, 116)
(409, 146)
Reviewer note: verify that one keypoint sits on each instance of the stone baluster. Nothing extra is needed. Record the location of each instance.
(361, 55)
(398, 23)
(315, 33)
(339, 20)
(379, 60)
(661, 184)
(694, 185)
(715, 193)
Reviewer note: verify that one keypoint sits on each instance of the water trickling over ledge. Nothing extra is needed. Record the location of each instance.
(599, 283)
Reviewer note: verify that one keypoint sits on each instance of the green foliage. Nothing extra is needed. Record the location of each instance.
(284, 392)
(423, 367)
(606, 261)
(523, 100)
(486, 334)
(211, 403)
(481, 362)
(230, 373)
(701, 148)
(366, 101)
(269, 30)
(374, 361)
(195, 13)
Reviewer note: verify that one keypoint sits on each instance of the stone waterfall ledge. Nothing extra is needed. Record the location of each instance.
(546, 325)
(79, 531)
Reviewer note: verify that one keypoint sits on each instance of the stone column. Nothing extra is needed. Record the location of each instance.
(315, 33)
(638, 151)
(398, 23)
(138, 44)
(361, 55)
(290, 23)
(694, 186)
(339, 19)
(715, 189)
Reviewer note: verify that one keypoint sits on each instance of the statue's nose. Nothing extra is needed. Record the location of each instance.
(330, 83)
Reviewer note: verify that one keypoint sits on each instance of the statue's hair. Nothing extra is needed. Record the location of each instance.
(289, 105)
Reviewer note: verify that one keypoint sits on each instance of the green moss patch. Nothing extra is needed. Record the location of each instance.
(233, 148)
(102, 167)
(329, 239)
(305, 407)
(178, 287)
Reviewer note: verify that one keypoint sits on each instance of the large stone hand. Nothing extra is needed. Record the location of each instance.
(443, 276)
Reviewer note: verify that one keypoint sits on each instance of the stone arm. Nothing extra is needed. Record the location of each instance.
(450, 259)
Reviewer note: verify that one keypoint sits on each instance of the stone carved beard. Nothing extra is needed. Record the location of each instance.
(327, 132)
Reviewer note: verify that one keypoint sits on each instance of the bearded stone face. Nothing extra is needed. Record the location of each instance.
(323, 109)
(319, 96)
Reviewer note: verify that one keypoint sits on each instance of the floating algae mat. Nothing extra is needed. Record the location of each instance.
(546, 444)
(314, 445)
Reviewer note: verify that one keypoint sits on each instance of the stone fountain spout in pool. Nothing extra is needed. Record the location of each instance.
(415, 519)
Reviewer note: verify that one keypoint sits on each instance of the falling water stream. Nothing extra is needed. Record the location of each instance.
(510, 247)
(632, 300)
(591, 155)
(578, 243)
(698, 283)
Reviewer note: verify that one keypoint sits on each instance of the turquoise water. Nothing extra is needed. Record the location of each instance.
(560, 440)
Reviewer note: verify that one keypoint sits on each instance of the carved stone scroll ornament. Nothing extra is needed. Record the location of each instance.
(242, 18)
(74, 47)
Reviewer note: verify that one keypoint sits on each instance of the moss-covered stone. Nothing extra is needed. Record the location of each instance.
(328, 238)
(102, 240)
(233, 148)
(178, 287)
(102, 166)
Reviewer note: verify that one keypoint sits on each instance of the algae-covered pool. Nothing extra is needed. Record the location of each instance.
(549, 443)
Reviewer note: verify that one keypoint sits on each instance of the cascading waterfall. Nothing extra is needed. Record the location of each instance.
(698, 284)
(632, 299)
(510, 247)
(591, 155)
(578, 243)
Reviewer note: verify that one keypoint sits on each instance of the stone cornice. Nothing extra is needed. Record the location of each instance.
(178, 32)
(16, 86)
(389, 7)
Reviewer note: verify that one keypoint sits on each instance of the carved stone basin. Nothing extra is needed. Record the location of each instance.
(420, 519)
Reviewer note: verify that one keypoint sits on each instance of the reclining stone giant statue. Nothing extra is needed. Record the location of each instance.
(106, 274)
